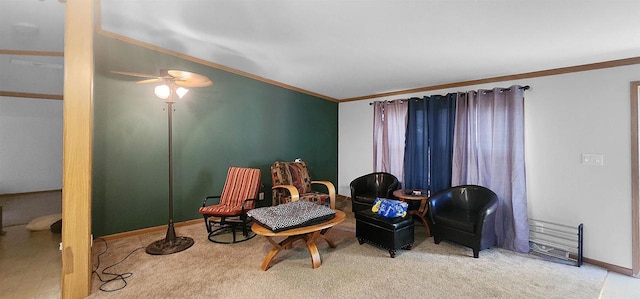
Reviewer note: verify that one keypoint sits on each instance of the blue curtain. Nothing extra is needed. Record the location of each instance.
(429, 142)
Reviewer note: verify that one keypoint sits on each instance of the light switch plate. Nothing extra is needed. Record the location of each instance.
(593, 159)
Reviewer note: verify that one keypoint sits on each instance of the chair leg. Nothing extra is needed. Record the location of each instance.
(476, 253)
(233, 232)
(245, 233)
(232, 226)
(206, 224)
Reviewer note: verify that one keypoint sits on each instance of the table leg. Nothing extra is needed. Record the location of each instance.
(322, 234)
(422, 212)
(313, 249)
(310, 240)
(426, 225)
(423, 220)
(277, 247)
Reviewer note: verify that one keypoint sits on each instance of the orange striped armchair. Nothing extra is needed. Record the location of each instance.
(229, 216)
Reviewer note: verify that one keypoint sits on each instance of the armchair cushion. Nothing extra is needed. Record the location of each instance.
(317, 197)
(292, 173)
(291, 215)
(369, 197)
(461, 219)
(241, 184)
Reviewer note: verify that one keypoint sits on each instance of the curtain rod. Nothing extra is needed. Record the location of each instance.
(526, 87)
(389, 101)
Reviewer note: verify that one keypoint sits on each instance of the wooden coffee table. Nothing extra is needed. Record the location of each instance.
(407, 195)
(307, 233)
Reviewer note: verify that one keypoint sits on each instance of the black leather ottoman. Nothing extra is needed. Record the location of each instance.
(389, 233)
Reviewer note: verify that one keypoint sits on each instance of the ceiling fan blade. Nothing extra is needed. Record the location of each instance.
(193, 83)
(134, 74)
(188, 76)
(181, 78)
(154, 80)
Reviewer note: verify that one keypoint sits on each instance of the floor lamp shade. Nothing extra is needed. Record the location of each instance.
(165, 92)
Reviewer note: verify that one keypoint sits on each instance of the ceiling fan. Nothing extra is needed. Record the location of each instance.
(180, 78)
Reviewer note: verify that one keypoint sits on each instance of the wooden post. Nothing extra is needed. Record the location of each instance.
(77, 139)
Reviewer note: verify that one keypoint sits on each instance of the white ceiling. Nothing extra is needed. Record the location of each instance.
(33, 74)
(350, 48)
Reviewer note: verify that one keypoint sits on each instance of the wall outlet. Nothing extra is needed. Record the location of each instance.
(261, 196)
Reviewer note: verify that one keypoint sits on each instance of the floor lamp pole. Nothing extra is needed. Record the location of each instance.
(170, 244)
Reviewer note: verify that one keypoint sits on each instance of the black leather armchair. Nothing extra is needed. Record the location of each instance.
(365, 189)
(464, 215)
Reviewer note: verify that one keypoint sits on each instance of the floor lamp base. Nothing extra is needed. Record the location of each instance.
(170, 244)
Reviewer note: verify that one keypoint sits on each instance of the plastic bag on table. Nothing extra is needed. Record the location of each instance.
(389, 208)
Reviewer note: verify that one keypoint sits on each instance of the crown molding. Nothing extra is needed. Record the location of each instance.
(14, 94)
(31, 53)
(543, 73)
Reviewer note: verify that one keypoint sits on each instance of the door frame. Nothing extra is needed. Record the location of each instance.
(635, 179)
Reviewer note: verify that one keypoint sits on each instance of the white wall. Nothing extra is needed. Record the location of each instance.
(30, 145)
(565, 116)
(355, 142)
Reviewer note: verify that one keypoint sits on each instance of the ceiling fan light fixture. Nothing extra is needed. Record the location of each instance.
(162, 91)
(181, 91)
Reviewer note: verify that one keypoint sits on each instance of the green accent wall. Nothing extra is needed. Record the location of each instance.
(236, 122)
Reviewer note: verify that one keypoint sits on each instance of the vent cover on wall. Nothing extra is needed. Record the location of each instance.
(558, 242)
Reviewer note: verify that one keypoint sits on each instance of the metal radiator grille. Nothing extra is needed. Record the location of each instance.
(559, 242)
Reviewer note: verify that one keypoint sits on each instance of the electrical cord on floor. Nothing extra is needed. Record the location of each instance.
(116, 276)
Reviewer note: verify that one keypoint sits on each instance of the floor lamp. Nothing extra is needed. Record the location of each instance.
(171, 243)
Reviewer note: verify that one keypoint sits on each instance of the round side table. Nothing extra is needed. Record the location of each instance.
(416, 195)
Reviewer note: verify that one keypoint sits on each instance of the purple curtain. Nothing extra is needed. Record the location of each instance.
(489, 151)
(389, 126)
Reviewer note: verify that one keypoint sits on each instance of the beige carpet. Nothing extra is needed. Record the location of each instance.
(209, 270)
